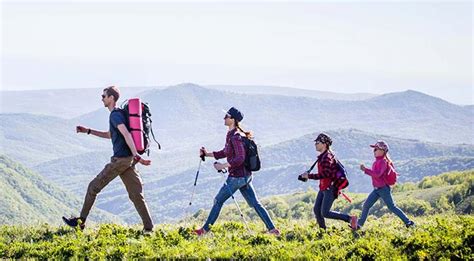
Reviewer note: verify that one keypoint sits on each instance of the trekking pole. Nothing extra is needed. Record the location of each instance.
(224, 171)
(202, 158)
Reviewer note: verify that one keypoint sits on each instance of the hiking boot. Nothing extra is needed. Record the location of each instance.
(354, 224)
(358, 227)
(274, 232)
(200, 232)
(74, 222)
(147, 232)
(410, 224)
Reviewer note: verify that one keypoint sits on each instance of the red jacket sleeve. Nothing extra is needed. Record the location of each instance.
(378, 169)
(219, 154)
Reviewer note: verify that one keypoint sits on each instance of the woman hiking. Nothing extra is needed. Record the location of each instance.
(327, 170)
(380, 168)
(239, 177)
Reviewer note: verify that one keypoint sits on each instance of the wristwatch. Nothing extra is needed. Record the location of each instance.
(137, 158)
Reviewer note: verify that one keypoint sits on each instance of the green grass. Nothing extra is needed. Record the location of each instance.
(435, 237)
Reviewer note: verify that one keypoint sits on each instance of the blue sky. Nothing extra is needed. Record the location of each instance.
(343, 46)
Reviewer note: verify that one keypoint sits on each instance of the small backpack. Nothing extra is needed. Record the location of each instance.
(340, 182)
(390, 176)
(147, 128)
(252, 160)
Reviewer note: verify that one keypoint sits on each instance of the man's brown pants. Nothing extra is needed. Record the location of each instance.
(132, 181)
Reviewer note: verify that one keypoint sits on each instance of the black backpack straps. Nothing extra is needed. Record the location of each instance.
(153, 135)
(124, 103)
(146, 111)
(312, 166)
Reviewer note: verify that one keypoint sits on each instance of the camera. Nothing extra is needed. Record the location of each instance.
(300, 177)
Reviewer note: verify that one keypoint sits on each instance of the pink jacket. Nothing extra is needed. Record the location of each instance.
(379, 169)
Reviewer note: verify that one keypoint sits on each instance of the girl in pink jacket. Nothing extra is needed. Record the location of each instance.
(378, 172)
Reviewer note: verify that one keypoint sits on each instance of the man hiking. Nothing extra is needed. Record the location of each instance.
(122, 164)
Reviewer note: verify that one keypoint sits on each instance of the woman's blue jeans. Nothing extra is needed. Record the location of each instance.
(244, 184)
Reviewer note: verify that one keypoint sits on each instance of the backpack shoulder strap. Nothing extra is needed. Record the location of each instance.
(153, 135)
(242, 138)
(389, 165)
(146, 111)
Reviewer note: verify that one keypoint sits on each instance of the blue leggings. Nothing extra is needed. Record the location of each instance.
(386, 196)
(322, 208)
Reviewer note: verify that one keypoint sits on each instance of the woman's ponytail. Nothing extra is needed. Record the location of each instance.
(248, 134)
(387, 158)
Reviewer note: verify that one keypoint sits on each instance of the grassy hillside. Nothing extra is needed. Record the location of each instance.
(434, 238)
(441, 206)
(27, 198)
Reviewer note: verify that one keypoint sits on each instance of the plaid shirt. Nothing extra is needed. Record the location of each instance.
(327, 170)
(234, 151)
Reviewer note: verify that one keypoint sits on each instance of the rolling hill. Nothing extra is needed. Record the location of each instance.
(28, 199)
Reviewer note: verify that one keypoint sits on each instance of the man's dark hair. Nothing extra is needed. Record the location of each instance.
(113, 91)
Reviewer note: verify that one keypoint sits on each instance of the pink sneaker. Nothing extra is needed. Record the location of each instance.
(200, 232)
(354, 224)
(275, 232)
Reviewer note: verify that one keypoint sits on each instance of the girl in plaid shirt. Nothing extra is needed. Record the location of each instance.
(327, 170)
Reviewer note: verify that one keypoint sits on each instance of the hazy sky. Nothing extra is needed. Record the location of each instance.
(345, 46)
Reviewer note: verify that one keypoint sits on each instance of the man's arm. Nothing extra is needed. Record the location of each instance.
(102, 134)
(128, 139)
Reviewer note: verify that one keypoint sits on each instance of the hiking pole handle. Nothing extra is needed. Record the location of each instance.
(202, 155)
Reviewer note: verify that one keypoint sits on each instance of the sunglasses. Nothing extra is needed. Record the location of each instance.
(103, 96)
(318, 142)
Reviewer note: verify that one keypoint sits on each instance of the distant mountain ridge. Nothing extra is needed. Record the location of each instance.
(70, 103)
(287, 91)
(62, 103)
(426, 134)
(184, 112)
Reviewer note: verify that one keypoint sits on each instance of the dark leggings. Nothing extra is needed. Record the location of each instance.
(322, 208)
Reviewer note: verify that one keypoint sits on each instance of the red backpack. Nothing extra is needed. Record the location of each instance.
(390, 176)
